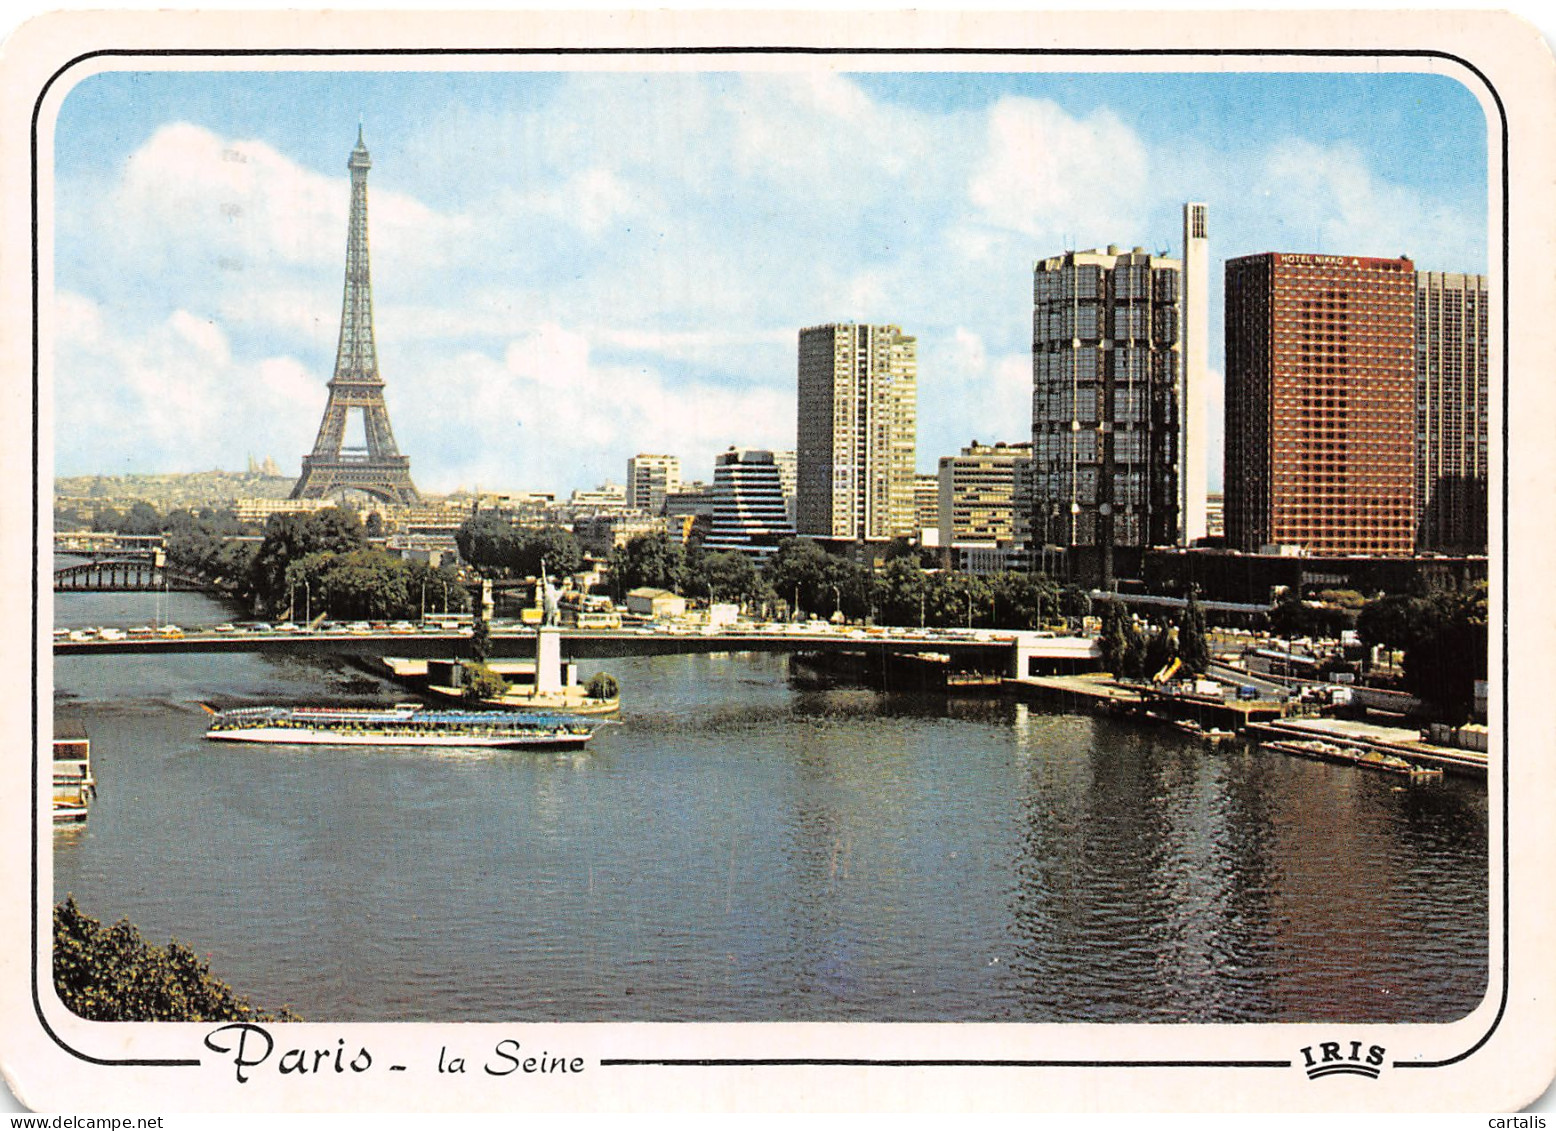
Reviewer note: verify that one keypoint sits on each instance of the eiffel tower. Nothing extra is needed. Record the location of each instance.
(379, 470)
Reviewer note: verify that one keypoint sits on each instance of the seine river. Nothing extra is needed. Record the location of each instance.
(740, 850)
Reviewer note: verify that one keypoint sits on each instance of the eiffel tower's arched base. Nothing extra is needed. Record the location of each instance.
(389, 480)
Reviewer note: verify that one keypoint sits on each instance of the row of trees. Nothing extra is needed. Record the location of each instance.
(203, 542)
(809, 581)
(654, 561)
(140, 518)
(322, 563)
(498, 548)
(306, 565)
(1131, 652)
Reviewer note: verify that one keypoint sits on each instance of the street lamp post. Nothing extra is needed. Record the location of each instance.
(837, 601)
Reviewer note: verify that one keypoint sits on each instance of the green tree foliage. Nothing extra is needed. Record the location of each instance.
(903, 593)
(1293, 617)
(204, 544)
(358, 585)
(368, 585)
(1160, 651)
(1117, 624)
(1023, 600)
(141, 518)
(1128, 651)
(603, 685)
(483, 683)
(797, 572)
(292, 537)
(551, 545)
(1137, 653)
(480, 636)
(729, 575)
(487, 542)
(71, 518)
(824, 582)
(495, 546)
(113, 974)
(650, 560)
(1126, 648)
(1393, 621)
(106, 520)
(903, 547)
(1449, 652)
(1074, 602)
(1193, 648)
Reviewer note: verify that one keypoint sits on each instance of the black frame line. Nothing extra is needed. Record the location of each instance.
(977, 52)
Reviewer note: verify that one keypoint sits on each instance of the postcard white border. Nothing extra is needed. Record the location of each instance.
(1500, 1056)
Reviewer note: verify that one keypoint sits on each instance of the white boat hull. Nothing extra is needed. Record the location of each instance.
(293, 736)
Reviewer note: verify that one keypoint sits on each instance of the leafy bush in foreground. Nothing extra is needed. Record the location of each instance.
(113, 974)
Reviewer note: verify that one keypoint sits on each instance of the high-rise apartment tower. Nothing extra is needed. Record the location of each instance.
(857, 432)
(1320, 403)
(1452, 411)
(1105, 405)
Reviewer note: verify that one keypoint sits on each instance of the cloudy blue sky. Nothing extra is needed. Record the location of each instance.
(571, 268)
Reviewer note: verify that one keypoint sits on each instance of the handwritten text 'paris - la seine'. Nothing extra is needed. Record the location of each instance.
(251, 1046)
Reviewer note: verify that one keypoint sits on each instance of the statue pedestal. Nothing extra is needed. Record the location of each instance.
(548, 660)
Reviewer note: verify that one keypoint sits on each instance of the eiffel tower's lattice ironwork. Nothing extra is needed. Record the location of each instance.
(379, 469)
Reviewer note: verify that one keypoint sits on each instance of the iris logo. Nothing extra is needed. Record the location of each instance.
(1336, 1058)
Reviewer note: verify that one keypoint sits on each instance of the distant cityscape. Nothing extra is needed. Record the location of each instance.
(1356, 412)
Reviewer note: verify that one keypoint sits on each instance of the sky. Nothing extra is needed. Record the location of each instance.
(570, 268)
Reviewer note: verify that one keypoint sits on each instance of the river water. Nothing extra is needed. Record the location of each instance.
(740, 850)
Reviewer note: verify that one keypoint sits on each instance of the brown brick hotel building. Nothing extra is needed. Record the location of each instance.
(1320, 403)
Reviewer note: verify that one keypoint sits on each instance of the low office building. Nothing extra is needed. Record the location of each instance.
(977, 493)
(661, 604)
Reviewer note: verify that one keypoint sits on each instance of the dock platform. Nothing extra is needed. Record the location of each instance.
(1398, 741)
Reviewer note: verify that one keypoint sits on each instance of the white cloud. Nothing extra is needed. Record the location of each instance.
(189, 190)
(1332, 193)
(1045, 172)
(624, 266)
(171, 397)
(968, 354)
(546, 404)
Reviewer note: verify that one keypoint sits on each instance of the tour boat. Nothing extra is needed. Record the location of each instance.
(407, 724)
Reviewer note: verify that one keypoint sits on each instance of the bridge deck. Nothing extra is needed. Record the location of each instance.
(575, 644)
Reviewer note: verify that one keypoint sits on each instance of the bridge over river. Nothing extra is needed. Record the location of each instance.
(1015, 653)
